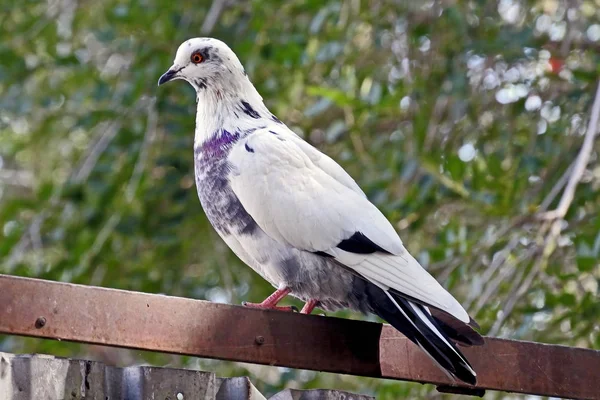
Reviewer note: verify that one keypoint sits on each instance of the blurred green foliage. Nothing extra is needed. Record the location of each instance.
(456, 117)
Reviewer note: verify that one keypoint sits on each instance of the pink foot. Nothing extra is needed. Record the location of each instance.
(261, 306)
(309, 306)
(270, 303)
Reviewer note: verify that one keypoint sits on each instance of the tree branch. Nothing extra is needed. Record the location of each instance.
(540, 264)
(580, 164)
(552, 229)
(558, 186)
(212, 16)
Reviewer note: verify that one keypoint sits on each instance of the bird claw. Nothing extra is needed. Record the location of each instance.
(262, 306)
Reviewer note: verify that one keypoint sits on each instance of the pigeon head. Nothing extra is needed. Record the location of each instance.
(227, 100)
(205, 62)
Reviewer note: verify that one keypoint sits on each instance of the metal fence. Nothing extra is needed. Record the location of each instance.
(62, 311)
(41, 377)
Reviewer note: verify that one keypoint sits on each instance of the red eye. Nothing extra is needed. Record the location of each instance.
(197, 58)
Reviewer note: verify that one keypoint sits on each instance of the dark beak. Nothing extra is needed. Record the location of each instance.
(167, 76)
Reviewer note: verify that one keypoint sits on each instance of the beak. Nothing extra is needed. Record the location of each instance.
(168, 76)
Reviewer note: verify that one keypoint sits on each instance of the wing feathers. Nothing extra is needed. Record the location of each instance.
(359, 243)
(297, 202)
(310, 203)
(325, 163)
(404, 275)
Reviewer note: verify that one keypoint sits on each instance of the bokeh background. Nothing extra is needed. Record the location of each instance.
(460, 120)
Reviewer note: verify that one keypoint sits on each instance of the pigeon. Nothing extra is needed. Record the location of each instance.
(299, 219)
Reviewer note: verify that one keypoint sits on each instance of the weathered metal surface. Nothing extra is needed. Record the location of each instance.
(145, 383)
(41, 377)
(184, 326)
(45, 377)
(237, 388)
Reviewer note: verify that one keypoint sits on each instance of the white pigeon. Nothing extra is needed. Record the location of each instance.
(299, 220)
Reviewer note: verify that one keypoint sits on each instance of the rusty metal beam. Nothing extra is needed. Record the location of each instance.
(54, 310)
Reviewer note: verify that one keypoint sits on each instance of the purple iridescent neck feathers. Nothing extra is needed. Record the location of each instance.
(219, 143)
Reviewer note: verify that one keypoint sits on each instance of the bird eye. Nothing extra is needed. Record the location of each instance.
(196, 58)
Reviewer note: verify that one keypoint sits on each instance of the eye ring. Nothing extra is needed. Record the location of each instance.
(196, 58)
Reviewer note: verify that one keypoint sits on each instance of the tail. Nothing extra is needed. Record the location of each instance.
(417, 324)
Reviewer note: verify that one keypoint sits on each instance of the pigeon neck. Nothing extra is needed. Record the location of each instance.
(235, 108)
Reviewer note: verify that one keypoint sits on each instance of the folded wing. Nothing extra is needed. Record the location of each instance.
(311, 204)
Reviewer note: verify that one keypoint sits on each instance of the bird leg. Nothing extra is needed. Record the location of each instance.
(309, 306)
(270, 303)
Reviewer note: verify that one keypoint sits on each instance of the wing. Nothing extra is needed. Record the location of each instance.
(298, 202)
(321, 160)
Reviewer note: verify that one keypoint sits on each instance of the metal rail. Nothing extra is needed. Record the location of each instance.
(53, 310)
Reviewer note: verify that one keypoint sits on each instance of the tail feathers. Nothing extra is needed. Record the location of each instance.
(417, 324)
(457, 330)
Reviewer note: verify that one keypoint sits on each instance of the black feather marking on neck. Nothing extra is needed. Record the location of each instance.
(201, 83)
(248, 110)
(249, 131)
(274, 118)
(360, 244)
(248, 148)
(277, 134)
